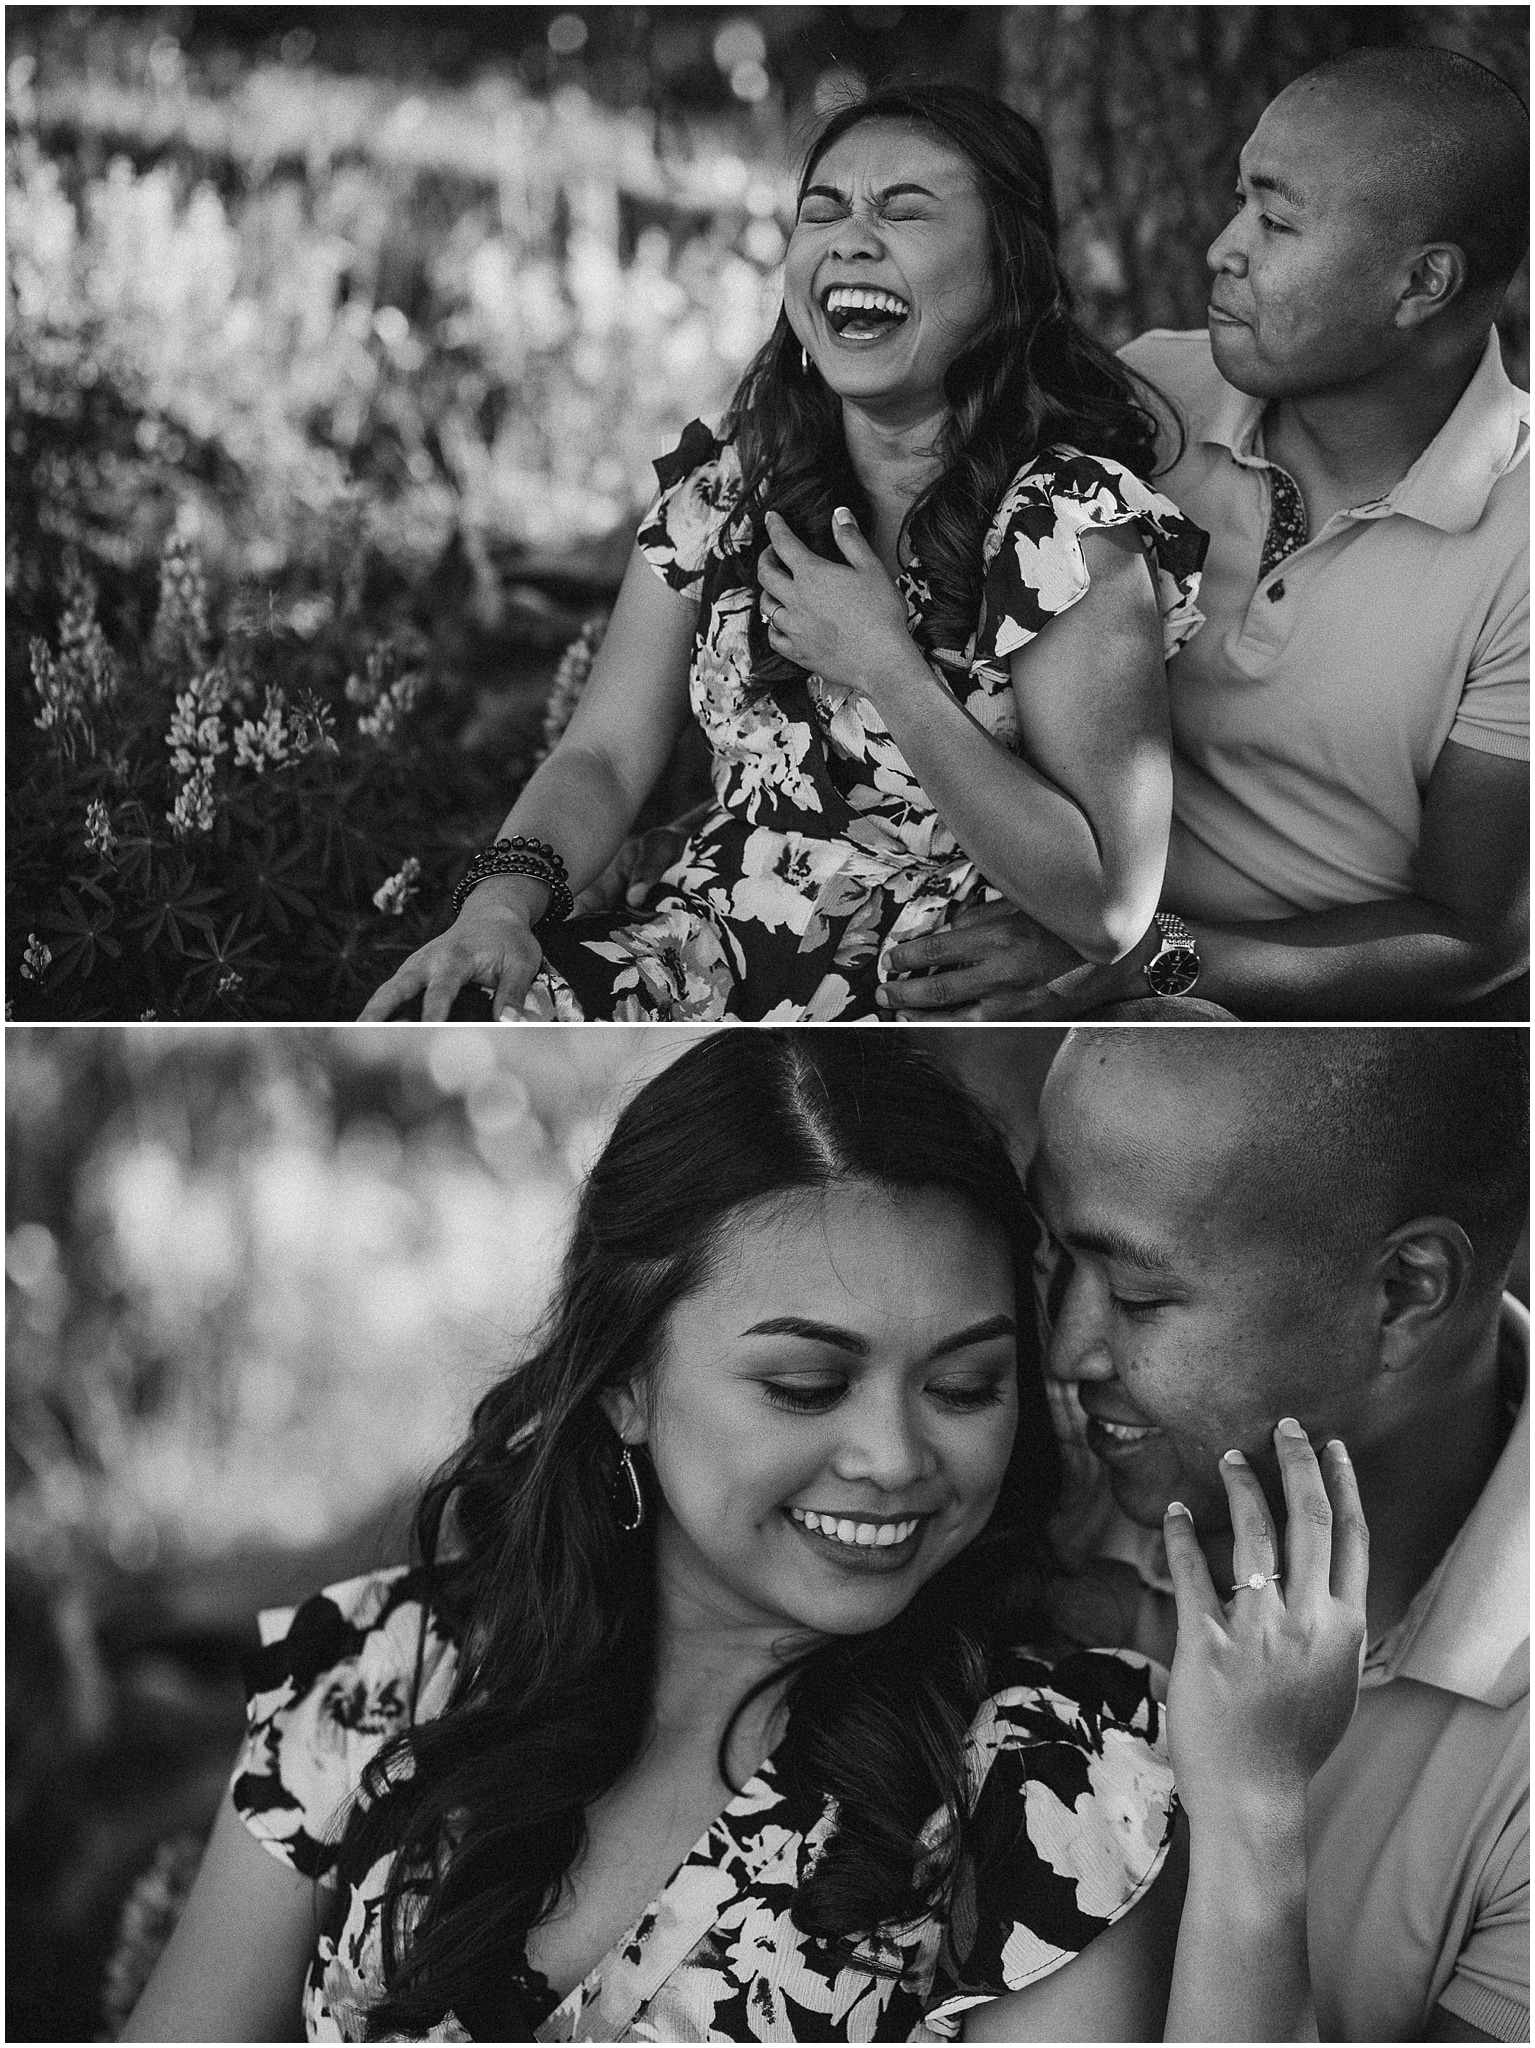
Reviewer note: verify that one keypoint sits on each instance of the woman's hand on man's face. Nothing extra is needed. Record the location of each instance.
(845, 621)
(1265, 1677)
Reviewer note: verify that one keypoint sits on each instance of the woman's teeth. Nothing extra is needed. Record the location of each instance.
(866, 1535)
(862, 308)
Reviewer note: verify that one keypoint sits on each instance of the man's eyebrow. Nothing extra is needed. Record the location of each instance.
(885, 192)
(1114, 1244)
(858, 1347)
(1263, 181)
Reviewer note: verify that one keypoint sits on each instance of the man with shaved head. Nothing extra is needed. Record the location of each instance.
(1351, 725)
(1244, 1227)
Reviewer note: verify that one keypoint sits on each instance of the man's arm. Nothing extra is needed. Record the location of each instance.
(1461, 935)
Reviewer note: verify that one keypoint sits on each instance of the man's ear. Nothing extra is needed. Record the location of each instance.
(1425, 1270)
(624, 1409)
(1436, 280)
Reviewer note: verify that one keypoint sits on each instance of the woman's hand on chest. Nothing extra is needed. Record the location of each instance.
(844, 621)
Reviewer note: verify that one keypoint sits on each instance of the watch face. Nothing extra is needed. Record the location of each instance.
(1173, 972)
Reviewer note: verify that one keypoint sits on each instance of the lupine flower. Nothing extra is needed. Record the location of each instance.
(59, 688)
(82, 643)
(387, 699)
(99, 836)
(314, 726)
(392, 896)
(231, 983)
(268, 738)
(196, 739)
(36, 960)
(181, 619)
(193, 808)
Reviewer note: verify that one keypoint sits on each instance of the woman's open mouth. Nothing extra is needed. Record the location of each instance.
(860, 314)
(862, 1543)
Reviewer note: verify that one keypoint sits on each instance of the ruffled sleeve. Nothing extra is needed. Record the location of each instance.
(333, 1680)
(1033, 557)
(1068, 1766)
(700, 482)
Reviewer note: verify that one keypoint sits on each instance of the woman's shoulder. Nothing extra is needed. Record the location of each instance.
(1032, 555)
(699, 482)
(1075, 1694)
(335, 1679)
(1065, 478)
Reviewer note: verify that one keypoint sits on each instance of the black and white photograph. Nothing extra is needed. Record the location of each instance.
(767, 1023)
(768, 1535)
(800, 515)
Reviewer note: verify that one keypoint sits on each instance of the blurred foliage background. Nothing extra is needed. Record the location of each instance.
(339, 344)
(255, 1280)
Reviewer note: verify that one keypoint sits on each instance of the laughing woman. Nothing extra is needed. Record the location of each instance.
(724, 1705)
(919, 596)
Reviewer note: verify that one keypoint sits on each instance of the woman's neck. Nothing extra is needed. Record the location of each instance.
(708, 1658)
(895, 459)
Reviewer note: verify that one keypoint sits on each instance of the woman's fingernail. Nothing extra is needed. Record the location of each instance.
(1290, 1427)
(1234, 1458)
(882, 995)
(1338, 1449)
(845, 516)
(1176, 1507)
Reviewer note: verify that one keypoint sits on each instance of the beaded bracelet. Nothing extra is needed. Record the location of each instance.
(520, 856)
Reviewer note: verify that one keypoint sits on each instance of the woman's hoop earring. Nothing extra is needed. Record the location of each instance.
(636, 1498)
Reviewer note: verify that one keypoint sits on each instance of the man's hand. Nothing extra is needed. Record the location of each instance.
(997, 963)
(636, 868)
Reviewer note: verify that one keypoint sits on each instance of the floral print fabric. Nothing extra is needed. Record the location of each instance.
(1071, 1753)
(821, 849)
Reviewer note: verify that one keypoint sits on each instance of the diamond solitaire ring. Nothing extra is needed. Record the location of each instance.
(1256, 1582)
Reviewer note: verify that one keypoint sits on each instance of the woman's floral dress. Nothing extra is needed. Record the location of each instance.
(821, 849)
(1072, 1752)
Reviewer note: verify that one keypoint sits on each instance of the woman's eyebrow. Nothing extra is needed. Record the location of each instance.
(885, 192)
(976, 1333)
(858, 1347)
(813, 1333)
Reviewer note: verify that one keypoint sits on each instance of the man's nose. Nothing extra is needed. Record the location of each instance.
(885, 1444)
(1078, 1347)
(1226, 252)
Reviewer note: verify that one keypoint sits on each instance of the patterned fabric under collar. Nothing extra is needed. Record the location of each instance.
(1065, 1760)
(1287, 521)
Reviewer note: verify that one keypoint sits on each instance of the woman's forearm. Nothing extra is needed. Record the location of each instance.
(1242, 1971)
(578, 804)
(1029, 838)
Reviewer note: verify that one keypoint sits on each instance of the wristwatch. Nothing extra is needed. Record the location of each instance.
(1174, 967)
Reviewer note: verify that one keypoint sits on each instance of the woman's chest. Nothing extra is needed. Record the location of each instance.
(636, 1837)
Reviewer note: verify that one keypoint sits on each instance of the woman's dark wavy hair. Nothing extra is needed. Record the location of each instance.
(553, 1605)
(1030, 377)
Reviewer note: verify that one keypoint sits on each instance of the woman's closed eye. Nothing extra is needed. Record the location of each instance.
(815, 1397)
(805, 1397)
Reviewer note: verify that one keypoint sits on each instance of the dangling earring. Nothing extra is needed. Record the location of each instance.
(636, 1498)
(804, 359)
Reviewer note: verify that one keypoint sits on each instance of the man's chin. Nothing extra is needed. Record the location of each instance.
(1234, 354)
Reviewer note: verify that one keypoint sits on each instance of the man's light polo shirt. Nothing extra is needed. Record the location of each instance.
(1418, 1824)
(1309, 710)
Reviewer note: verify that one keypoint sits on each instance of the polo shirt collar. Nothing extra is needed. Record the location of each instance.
(1449, 484)
(1467, 1630)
